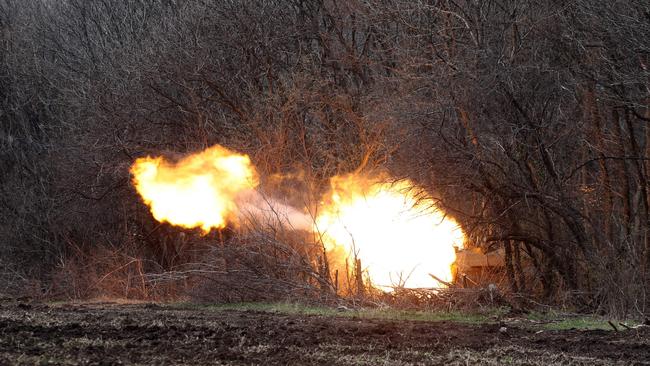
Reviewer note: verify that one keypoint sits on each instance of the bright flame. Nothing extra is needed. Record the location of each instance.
(396, 231)
(398, 234)
(199, 191)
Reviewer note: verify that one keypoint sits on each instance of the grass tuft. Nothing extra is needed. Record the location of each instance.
(559, 321)
(363, 313)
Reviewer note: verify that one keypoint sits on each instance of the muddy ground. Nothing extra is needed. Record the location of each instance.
(110, 334)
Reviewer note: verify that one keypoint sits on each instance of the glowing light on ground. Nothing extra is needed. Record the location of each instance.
(399, 234)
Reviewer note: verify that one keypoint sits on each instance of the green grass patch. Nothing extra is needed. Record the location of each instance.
(559, 321)
(546, 321)
(585, 323)
(363, 313)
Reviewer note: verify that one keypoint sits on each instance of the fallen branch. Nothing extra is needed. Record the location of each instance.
(441, 281)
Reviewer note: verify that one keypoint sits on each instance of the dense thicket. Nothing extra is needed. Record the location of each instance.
(527, 119)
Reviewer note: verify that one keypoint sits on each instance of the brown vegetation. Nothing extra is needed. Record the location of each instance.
(528, 120)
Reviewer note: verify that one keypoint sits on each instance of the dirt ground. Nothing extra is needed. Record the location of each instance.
(132, 334)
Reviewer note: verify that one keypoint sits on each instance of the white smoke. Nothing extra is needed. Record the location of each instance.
(260, 209)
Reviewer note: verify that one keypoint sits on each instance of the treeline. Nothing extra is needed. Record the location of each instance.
(528, 120)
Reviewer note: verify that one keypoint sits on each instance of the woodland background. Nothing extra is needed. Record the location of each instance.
(527, 120)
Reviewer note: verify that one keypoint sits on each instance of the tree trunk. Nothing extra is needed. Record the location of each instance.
(521, 276)
(509, 266)
(623, 174)
(593, 114)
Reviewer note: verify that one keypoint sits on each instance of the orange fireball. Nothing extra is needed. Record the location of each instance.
(400, 236)
(198, 191)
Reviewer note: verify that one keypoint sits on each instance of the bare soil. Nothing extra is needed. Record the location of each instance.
(131, 334)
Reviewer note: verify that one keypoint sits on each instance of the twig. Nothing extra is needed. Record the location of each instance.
(612, 325)
(441, 281)
(624, 325)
